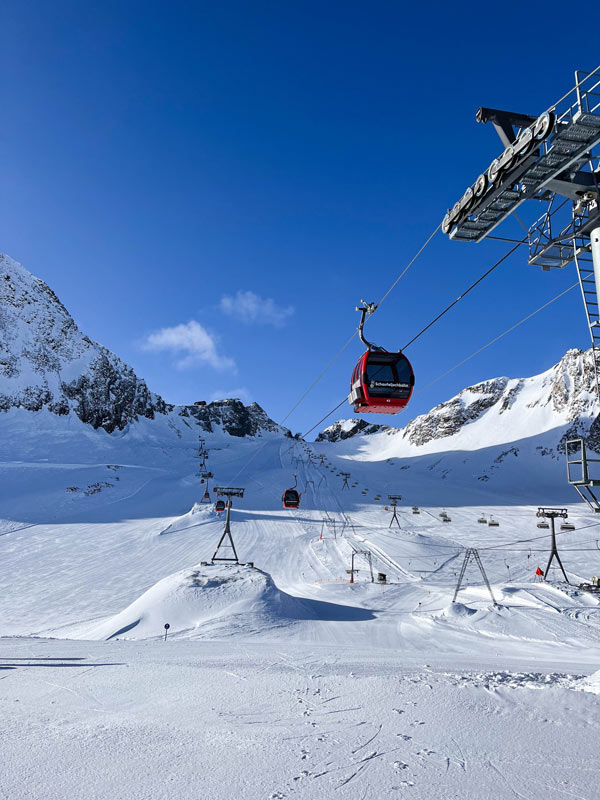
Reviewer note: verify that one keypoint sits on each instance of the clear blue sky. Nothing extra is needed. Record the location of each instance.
(158, 157)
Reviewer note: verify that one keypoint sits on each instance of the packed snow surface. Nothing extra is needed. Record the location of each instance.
(283, 679)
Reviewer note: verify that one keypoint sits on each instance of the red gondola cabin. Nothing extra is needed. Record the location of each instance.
(382, 383)
(220, 505)
(291, 498)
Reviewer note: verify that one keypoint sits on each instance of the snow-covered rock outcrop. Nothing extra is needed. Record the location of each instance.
(46, 362)
(501, 410)
(563, 395)
(346, 428)
(233, 417)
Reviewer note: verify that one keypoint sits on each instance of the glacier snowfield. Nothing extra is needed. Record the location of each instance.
(285, 680)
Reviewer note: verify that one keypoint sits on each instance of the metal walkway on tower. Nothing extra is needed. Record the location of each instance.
(542, 160)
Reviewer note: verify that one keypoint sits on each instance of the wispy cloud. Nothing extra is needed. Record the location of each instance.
(250, 307)
(193, 345)
(223, 394)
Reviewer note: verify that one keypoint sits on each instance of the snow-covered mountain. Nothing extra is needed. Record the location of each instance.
(347, 428)
(562, 399)
(47, 363)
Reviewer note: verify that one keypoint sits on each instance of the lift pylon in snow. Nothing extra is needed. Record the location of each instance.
(381, 382)
(552, 514)
(546, 158)
(393, 498)
(353, 571)
(226, 540)
(472, 554)
(326, 522)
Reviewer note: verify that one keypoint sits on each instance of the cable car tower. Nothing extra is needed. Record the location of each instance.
(553, 158)
(393, 498)
(552, 514)
(228, 492)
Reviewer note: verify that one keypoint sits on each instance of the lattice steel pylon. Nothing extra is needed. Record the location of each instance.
(588, 283)
(472, 554)
(553, 159)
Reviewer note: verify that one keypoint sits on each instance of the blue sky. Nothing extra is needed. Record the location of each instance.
(211, 188)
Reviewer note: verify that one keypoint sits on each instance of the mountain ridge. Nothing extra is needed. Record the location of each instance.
(46, 361)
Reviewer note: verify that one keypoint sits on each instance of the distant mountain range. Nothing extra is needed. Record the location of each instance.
(561, 400)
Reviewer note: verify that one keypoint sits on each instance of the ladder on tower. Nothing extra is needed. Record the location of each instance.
(587, 283)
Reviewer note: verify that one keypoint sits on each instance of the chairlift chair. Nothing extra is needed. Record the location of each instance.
(482, 520)
(567, 526)
(543, 524)
(492, 523)
(382, 382)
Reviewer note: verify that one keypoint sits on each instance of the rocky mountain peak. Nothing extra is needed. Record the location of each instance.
(347, 428)
(46, 362)
(233, 417)
(503, 409)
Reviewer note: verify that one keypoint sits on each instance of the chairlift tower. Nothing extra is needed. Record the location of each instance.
(329, 523)
(552, 514)
(229, 492)
(367, 555)
(553, 158)
(393, 498)
(345, 476)
(472, 555)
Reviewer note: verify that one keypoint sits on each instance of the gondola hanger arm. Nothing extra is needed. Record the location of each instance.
(365, 311)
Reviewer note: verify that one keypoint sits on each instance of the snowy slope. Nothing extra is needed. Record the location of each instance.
(286, 680)
(502, 437)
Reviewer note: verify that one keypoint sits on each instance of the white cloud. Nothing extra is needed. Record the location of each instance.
(192, 343)
(223, 394)
(249, 307)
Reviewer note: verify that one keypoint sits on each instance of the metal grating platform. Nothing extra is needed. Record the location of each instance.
(573, 138)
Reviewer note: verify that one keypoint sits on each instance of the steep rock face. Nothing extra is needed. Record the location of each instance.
(448, 418)
(347, 428)
(234, 417)
(562, 395)
(46, 361)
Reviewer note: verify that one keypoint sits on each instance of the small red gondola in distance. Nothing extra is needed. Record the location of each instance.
(291, 498)
(382, 382)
